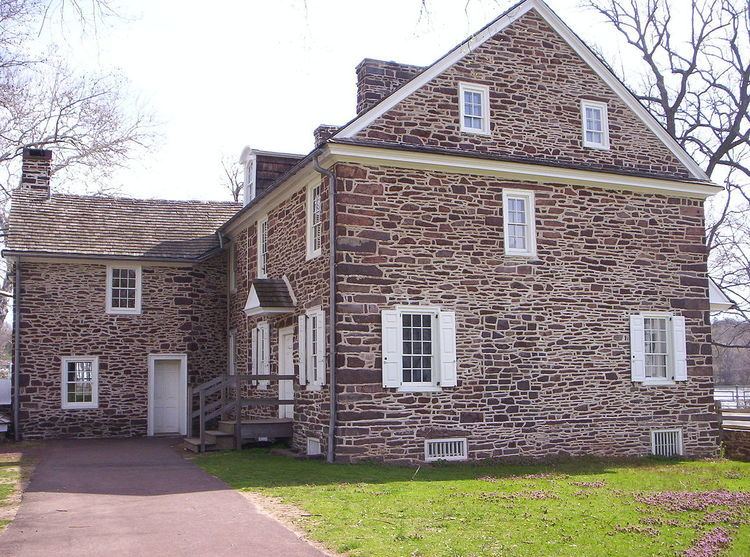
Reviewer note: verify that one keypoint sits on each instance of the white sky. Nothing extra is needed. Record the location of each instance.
(225, 74)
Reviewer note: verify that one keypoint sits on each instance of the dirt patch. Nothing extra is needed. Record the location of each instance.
(288, 515)
(17, 464)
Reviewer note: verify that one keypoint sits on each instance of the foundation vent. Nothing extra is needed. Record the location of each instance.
(313, 446)
(453, 448)
(666, 442)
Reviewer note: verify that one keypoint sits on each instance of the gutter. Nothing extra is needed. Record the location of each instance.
(331, 452)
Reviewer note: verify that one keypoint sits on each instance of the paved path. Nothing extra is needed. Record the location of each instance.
(137, 497)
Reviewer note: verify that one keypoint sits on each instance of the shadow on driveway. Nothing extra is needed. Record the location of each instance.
(137, 497)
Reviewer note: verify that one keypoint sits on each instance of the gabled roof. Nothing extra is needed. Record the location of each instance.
(718, 299)
(114, 227)
(349, 130)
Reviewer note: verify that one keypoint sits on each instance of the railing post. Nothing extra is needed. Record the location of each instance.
(190, 411)
(201, 420)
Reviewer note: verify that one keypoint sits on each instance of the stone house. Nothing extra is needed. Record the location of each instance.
(502, 255)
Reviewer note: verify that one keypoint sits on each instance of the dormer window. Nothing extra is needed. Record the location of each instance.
(595, 124)
(474, 102)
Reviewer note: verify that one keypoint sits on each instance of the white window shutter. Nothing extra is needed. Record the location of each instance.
(391, 348)
(637, 349)
(264, 366)
(680, 348)
(321, 341)
(447, 328)
(302, 348)
(254, 352)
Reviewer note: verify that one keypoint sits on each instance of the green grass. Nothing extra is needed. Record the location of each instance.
(10, 484)
(478, 510)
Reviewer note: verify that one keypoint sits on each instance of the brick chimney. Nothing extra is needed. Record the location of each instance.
(376, 79)
(323, 132)
(36, 168)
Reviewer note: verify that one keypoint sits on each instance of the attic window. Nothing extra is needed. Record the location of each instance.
(475, 109)
(595, 124)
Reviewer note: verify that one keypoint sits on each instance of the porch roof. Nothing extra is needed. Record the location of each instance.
(270, 297)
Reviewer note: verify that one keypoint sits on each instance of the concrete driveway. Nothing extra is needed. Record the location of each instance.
(137, 497)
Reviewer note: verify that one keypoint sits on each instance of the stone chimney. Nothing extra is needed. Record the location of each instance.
(376, 79)
(323, 133)
(36, 168)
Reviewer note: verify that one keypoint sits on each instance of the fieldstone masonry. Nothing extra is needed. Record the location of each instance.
(63, 314)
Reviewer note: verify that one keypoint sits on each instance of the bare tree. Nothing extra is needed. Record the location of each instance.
(91, 122)
(232, 179)
(696, 78)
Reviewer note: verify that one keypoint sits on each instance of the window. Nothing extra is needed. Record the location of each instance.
(124, 289)
(475, 110)
(232, 267)
(312, 348)
(232, 353)
(261, 350)
(658, 348)
(419, 348)
(263, 247)
(595, 125)
(314, 221)
(519, 222)
(249, 187)
(80, 382)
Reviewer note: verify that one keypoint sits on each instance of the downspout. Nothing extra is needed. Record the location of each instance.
(17, 351)
(331, 453)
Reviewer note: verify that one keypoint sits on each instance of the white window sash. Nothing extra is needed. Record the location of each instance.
(94, 403)
(314, 227)
(262, 242)
(602, 131)
(529, 225)
(138, 290)
(315, 336)
(484, 108)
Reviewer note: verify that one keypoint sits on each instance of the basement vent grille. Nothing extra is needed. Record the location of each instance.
(313, 446)
(453, 448)
(666, 442)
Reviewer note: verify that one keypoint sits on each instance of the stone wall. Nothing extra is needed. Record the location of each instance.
(536, 86)
(736, 443)
(287, 255)
(63, 314)
(542, 343)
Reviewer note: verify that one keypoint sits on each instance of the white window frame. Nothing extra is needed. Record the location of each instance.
(528, 197)
(484, 91)
(585, 103)
(669, 379)
(434, 383)
(232, 267)
(312, 251)
(260, 346)
(94, 383)
(262, 266)
(318, 337)
(138, 289)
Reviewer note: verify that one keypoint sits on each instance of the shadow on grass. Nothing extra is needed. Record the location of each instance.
(259, 468)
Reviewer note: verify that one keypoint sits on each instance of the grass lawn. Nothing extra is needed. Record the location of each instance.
(577, 508)
(10, 486)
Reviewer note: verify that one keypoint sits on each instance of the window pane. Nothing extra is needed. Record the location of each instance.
(124, 286)
(656, 347)
(417, 348)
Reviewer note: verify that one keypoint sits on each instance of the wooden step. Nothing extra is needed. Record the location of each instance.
(260, 428)
(221, 440)
(194, 444)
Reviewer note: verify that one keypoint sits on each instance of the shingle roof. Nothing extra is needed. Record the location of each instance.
(115, 226)
(273, 293)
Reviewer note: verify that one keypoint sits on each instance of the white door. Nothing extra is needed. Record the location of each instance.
(286, 367)
(166, 396)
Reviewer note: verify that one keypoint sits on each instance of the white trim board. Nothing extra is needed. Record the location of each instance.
(475, 41)
(458, 164)
(152, 358)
